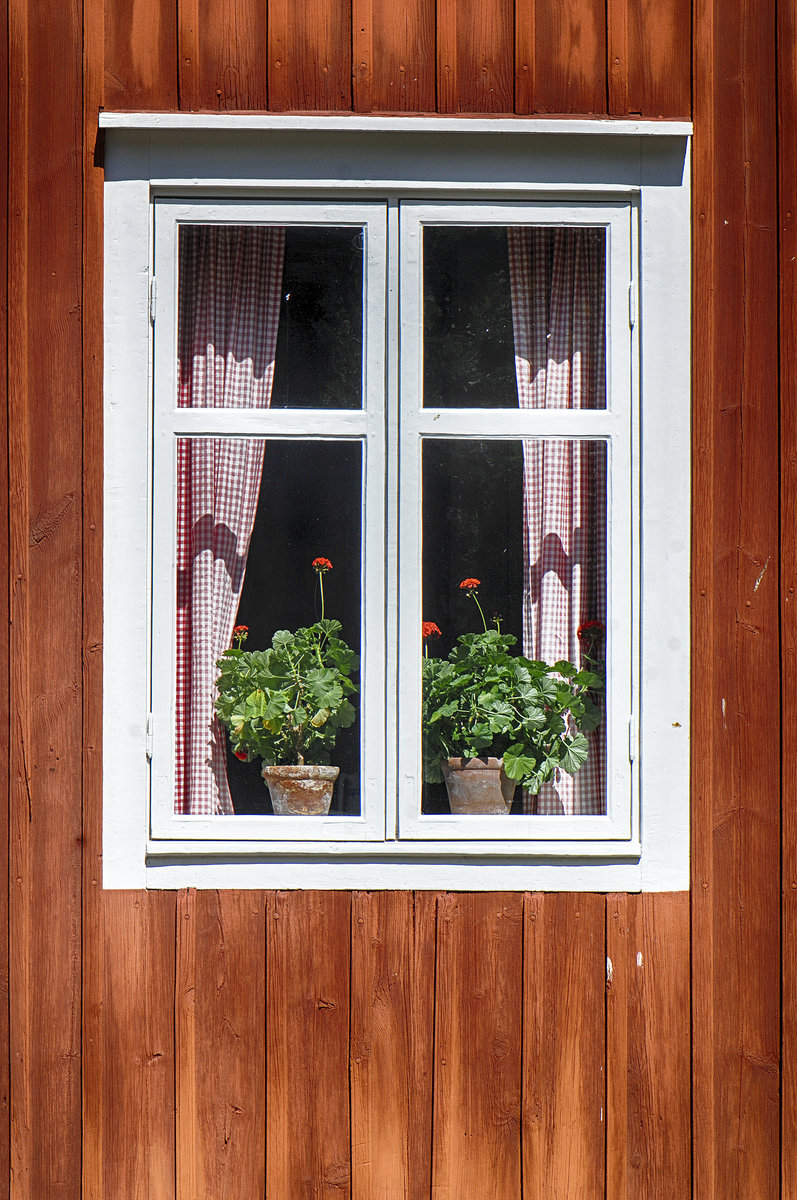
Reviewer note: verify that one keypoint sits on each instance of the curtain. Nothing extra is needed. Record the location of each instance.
(230, 283)
(557, 279)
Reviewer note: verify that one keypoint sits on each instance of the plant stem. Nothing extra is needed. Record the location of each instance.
(321, 585)
(481, 613)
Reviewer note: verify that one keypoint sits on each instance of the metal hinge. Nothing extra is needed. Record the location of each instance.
(149, 737)
(633, 739)
(632, 303)
(153, 295)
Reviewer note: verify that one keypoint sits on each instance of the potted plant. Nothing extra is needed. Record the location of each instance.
(493, 720)
(286, 705)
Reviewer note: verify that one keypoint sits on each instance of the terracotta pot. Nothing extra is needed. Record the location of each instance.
(477, 785)
(302, 791)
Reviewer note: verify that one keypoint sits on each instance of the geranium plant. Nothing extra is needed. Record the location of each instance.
(286, 704)
(484, 700)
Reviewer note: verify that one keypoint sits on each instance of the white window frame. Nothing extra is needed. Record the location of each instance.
(623, 174)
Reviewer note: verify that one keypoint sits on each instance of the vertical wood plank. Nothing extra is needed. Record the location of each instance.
(93, 1059)
(222, 54)
(648, 1151)
(308, 964)
(787, 159)
(141, 55)
(5, 712)
(564, 972)
(394, 56)
(44, 437)
(392, 1034)
(477, 1083)
(736, 836)
(137, 1047)
(475, 56)
(560, 56)
(220, 1010)
(309, 55)
(649, 51)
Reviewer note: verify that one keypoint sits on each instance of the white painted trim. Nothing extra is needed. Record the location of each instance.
(614, 424)
(563, 875)
(201, 158)
(354, 123)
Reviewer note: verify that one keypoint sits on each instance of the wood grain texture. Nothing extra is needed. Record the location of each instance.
(220, 1012)
(564, 971)
(93, 1063)
(393, 54)
(5, 711)
(309, 55)
(648, 1059)
(560, 56)
(787, 160)
(44, 438)
(392, 1034)
(141, 55)
(308, 963)
(137, 1046)
(477, 1067)
(649, 52)
(222, 54)
(475, 56)
(736, 835)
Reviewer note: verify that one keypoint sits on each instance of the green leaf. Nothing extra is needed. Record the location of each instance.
(517, 765)
(575, 754)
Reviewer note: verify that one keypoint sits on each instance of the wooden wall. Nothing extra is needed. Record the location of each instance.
(210, 1045)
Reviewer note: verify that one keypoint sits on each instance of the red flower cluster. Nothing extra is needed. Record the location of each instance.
(470, 585)
(241, 631)
(429, 629)
(588, 627)
(242, 755)
(322, 564)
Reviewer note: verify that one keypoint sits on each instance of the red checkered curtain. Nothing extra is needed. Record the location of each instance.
(558, 309)
(230, 281)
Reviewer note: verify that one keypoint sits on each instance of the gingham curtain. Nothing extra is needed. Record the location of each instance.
(558, 288)
(230, 281)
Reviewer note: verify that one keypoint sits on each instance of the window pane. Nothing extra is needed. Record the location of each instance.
(514, 317)
(246, 544)
(522, 525)
(270, 317)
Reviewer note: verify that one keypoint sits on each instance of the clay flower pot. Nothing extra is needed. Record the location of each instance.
(302, 791)
(477, 785)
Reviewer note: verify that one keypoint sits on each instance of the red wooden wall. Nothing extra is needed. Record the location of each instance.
(212, 1045)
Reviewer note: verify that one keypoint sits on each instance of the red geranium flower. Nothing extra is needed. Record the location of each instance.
(586, 629)
(242, 754)
(470, 585)
(240, 631)
(322, 564)
(429, 629)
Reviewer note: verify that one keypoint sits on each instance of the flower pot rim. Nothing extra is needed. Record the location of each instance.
(300, 771)
(461, 763)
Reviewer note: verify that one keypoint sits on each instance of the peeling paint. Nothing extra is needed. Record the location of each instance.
(763, 573)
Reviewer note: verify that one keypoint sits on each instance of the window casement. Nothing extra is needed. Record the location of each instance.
(424, 381)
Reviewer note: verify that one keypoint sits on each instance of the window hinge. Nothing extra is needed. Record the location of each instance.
(632, 303)
(633, 739)
(153, 295)
(149, 736)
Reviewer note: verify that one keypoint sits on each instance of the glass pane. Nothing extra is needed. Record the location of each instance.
(514, 552)
(514, 317)
(270, 317)
(270, 553)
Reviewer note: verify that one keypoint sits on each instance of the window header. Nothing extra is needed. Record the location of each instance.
(354, 123)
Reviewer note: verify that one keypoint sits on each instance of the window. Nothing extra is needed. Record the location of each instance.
(415, 384)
